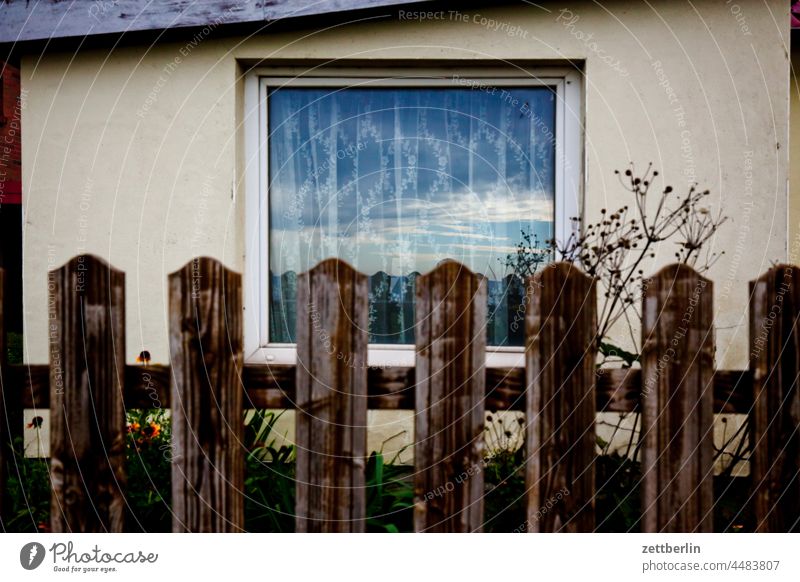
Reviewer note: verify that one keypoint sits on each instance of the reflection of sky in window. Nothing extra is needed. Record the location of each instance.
(396, 180)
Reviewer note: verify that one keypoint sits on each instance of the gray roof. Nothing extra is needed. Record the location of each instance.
(33, 20)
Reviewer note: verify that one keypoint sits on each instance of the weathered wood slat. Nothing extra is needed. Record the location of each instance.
(331, 421)
(617, 390)
(87, 421)
(449, 421)
(561, 351)
(205, 329)
(775, 431)
(677, 402)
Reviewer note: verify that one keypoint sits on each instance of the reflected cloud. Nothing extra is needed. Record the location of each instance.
(395, 180)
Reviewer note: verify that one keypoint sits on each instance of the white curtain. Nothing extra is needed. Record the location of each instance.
(394, 180)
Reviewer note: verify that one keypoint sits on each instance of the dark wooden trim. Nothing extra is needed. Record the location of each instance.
(389, 388)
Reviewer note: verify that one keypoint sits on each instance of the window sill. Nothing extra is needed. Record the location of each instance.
(385, 356)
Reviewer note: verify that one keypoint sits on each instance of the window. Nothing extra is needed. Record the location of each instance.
(394, 175)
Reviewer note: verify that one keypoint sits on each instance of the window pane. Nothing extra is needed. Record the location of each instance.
(395, 181)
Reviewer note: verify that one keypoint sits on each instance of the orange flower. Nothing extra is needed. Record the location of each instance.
(152, 430)
(133, 427)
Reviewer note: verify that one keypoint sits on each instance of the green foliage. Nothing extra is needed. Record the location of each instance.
(390, 496)
(269, 476)
(270, 486)
(259, 437)
(610, 351)
(504, 473)
(29, 493)
(14, 347)
(617, 502)
(733, 510)
(149, 458)
(269, 481)
(504, 482)
(269, 496)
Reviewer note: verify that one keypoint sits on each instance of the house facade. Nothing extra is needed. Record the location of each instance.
(149, 148)
(11, 192)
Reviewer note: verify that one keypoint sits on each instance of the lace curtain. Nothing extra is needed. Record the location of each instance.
(395, 180)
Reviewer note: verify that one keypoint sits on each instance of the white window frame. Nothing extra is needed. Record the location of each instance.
(569, 176)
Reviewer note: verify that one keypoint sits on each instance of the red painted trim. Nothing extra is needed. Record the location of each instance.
(11, 193)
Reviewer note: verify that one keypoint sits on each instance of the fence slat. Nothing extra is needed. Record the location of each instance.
(87, 414)
(205, 332)
(449, 421)
(561, 351)
(775, 430)
(331, 384)
(677, 402)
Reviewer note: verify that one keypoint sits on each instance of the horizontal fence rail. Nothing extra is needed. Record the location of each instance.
(87, 387)
(273, 386)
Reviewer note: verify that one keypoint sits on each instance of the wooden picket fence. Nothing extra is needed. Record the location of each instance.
(87, 387)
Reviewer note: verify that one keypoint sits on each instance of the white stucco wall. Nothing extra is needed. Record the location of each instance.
(134, 156)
